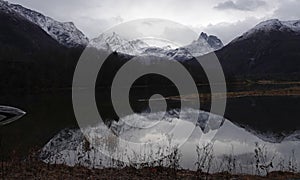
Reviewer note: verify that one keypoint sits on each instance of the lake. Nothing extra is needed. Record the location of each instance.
(272, 121)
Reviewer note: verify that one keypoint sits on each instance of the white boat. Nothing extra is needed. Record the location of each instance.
(10, 114)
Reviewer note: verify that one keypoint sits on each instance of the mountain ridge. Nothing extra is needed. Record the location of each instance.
(271, 25)
(270, 50)
(114, 42)
(65, 33)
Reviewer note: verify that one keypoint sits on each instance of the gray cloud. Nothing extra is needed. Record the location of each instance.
(288, 10)
(229, 31)
(284, 10)
(93, 27)
(95, 16)
(242, 5)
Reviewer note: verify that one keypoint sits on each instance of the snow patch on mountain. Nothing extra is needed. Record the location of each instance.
(271, 25)
(65, 33)
(114, 42)
(204, 44)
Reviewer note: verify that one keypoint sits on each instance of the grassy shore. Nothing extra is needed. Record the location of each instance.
(40, 170)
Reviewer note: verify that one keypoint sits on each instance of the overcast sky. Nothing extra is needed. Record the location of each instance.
(225, 18)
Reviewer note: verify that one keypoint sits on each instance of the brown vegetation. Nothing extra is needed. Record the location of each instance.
(40, 170)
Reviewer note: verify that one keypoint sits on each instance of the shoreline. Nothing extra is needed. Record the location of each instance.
(39, 170)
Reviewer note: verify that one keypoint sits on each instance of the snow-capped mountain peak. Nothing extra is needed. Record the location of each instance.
(276, 24)
(65, 33)
(213, 41)
(114, 42)
(272, 25)
(204, 44)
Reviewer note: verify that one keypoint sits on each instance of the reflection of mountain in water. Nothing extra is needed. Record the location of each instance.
(137, 128)
(70, 146)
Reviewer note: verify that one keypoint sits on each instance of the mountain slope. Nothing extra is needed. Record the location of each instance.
(65, 33)
(269, 50)
(272, 25)
(18, 34)
(30, 58)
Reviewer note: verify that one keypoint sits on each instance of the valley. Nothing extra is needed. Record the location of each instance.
(258, 134)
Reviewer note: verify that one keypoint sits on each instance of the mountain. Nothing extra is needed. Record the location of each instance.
(272, 25)
(204, 44)
(22, 36)
(29, 57)
(179, 54)
(269, 50)
(114, 42)
(65, 33)
(213, 41)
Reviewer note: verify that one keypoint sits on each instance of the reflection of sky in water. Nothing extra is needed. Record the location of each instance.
(229, 139)
(232, 139)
